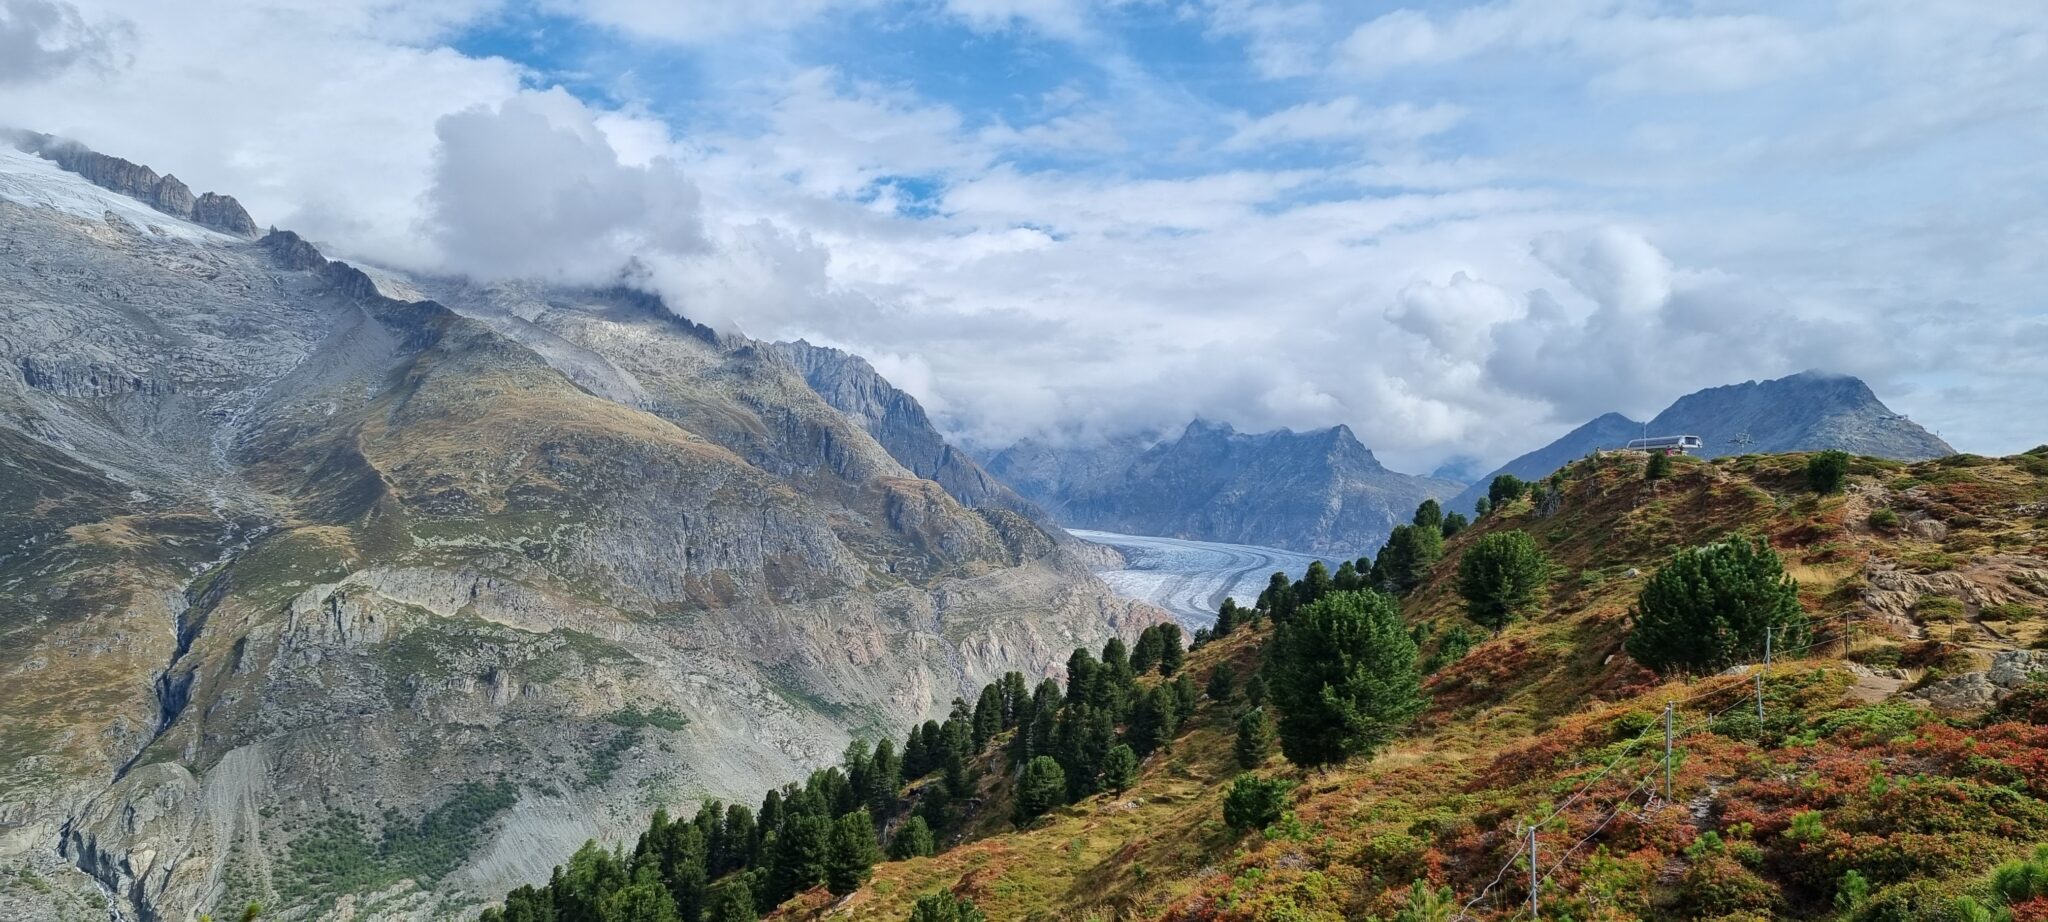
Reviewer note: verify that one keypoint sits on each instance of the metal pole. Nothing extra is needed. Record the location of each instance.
(1667, 750)
(1534, 912)
(1759, 699)
(1767, 647)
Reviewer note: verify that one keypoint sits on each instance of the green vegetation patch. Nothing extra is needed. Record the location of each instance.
(664, 717)
(337, 856)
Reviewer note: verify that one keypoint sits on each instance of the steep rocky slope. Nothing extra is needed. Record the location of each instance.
(319, 592)
(1318, 492)
(1899, 757)
(1809, 411)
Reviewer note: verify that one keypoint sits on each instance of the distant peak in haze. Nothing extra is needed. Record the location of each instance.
(1808, 411)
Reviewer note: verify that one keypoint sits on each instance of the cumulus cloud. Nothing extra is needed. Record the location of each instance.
(534, 188)
(42, 38)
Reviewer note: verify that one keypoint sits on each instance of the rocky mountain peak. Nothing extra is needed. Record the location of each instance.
(165, 193)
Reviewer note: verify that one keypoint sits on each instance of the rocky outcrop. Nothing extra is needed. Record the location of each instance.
(1319, 491)
(1975, 692)
(897, 421)
(224, 214)
(163, 193)
(292, 251)
(1809, 411)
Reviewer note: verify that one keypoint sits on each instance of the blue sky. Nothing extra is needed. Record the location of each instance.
(1460, 228)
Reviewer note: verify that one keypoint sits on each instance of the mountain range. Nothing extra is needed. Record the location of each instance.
(1319, 491)
(367, 595)
(1808, 411)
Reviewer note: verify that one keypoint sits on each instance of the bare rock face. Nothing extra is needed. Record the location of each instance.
(164, 193)
(1975, 692)
(291, 567)
(224, 214)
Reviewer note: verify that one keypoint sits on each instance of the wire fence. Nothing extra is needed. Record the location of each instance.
(1674, 731)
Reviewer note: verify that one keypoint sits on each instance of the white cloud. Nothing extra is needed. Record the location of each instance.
(534, 188)
(1637, 48)
(43, 38)
(1345, 119)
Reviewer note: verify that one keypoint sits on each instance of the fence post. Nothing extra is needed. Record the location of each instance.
(1759, 700)
(1667, 750)
(1534, 883)
(1767, 647)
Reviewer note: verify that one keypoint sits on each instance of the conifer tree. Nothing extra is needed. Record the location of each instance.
(1505, 489)
(1708, 607)
(1222, 683)
(913, 840)
(733, 902)
(1042, 787)
(1659, 467)
(1226, 618)
(1145, 653)
(1501, 577)
(1481, 507)
(1171, 654)
(1081, 675)
(988, 716)
(853, 855)
(1254, 738)
(1277, 599)
(1826, 471)
(1344, 679)
(945, 907)
(1016, 700)
(1429, 515)
(1153, 720)
(1255, 689)
(1185, 698)
(803, 846)
(1314, 584)
(1454, 522)
(1119, 769)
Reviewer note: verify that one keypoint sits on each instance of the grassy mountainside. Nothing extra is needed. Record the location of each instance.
(1851, 798)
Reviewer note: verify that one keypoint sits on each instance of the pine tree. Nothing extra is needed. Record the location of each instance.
(1081, 676)
(1454, 522)
(1115, 681)
(1120, 769)
(1277, 599)
(1042, 787)
(1222, 683)
(643, 900)
(913, 840)
(733, 902)
(803, 846)
(1254, 738)
(1481, 507)
(1659, 467)
(1501, 576)
(1314, 584)
(1430, 515)
(1153, 720)
(1405, 560)
(885, 778)
(1254, 803)
(1185, 698)
(1708, 607)
(1255, 689)
(1505, 489)
(1016, 700)
(945, 907)
(1171, 654)
(1826, 471)
(1226, 618)
(853, 855)
(988, 716)
(1145, 653)
(1344, 679)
